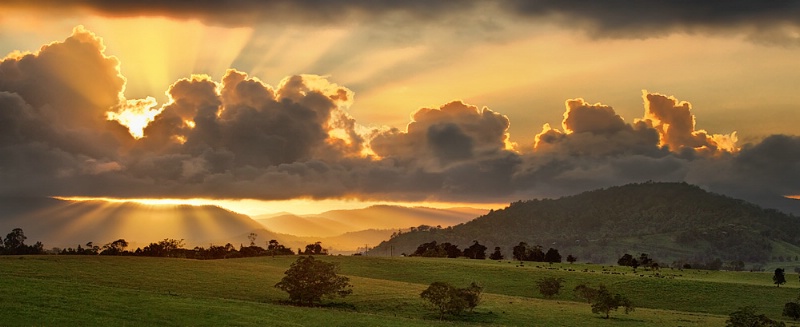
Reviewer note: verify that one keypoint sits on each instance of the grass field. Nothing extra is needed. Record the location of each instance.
(140, 291)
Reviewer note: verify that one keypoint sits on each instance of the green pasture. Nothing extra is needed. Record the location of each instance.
(141, 291)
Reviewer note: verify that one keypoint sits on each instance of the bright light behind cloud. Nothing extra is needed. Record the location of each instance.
(135, 114)
(157, 51)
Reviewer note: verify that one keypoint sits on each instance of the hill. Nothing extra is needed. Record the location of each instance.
(337, 222)
(669, 221)
(60, 223)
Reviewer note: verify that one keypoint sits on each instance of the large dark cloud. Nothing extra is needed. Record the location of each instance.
(241, 138)
(762, 21)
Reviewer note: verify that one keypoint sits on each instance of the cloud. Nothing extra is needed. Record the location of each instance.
(676, 125)
(65, 131)
(453, 133)
(762, 21)
(596, 130)
(246, 12)
(770, 22)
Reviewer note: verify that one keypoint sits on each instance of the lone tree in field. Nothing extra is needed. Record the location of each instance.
(779, 277)
(602, 300)
(550, 286)
(308, 280)
(571, 258)
(447, 299)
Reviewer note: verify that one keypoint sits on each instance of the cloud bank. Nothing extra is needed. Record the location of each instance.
(66, 129)
(774, 22)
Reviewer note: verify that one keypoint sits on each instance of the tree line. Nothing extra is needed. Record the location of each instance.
(520, 252)
(14, 244)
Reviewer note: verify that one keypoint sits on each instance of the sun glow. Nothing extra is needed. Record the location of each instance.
(135, 115)
(296, 206)
(155, 52)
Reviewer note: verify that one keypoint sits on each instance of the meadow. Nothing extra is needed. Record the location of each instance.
(145, 291)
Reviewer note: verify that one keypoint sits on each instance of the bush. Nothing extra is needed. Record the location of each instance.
(550, 286)
(308, 280)
(447, 299)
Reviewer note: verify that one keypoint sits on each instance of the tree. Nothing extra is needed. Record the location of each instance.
(307, 280)
(447, 299)
(252, 237)
(496, 255)
(475, 251)
(452, 250)
(779, 277)
(552, 255)
(521, 251)
(747, 317)
(274, 248)
(472, 294)
(14, 242)
(315, 248)
(625, 260)
(792, 310)
(605, 302)
(115, 248)
(550, 286)
(571, 258)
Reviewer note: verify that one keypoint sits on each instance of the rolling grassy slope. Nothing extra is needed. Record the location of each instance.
(137, 291)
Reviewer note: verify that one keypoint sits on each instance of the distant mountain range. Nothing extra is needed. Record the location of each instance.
(378, 217)
(669, 221)
(61, 223)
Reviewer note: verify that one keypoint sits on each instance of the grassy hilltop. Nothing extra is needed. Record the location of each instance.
(669, 221)
(142, 291)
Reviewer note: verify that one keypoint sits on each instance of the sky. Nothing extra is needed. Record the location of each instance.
(316, 104)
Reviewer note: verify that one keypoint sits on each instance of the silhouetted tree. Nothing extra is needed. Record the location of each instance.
(307, 280)
(14, 240)
(552, 256)
(475, 251)
(625, 260)
(521, 251)
(452, 250)
(571, 258)
(536, 254)
(779, 277)
(274, 248)
(550, 286)
(114, 248)
(496, 255)
(315, 248)
(252, 237)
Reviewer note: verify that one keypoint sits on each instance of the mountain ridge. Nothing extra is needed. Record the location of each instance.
(673, 221)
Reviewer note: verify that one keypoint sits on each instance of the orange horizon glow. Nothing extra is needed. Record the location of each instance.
(254, 208)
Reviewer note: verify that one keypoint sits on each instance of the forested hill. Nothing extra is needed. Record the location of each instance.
(670, 221)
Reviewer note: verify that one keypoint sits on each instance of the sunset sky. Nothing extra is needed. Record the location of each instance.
(441, 103)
